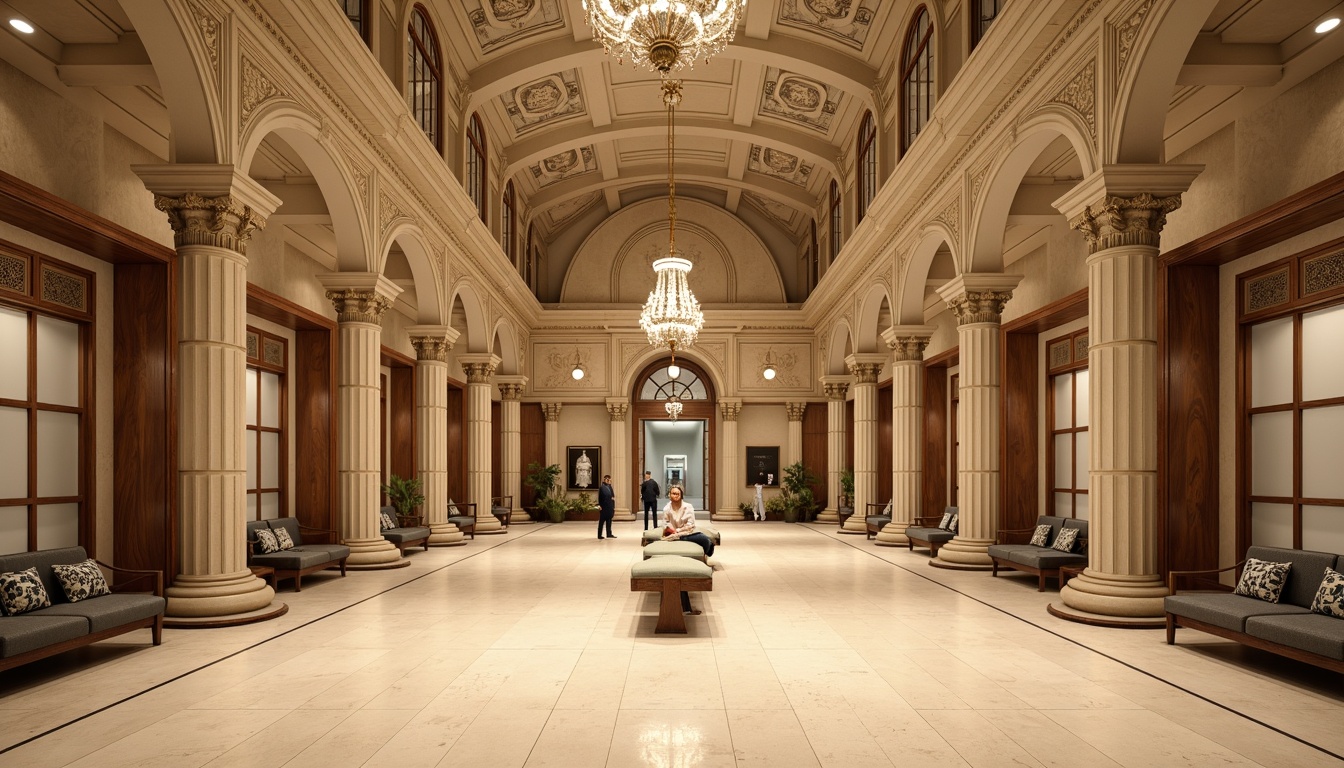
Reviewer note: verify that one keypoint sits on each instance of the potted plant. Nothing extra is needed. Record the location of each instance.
(776, 506)
(747, 512)
(542, 478)
(847, 488)
(405, 495)
(581, 505)
(553, 508)
(797, 487)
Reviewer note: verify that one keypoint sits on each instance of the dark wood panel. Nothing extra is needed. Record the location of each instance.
(40, 212)
(1019, 430)
(314, 382)
(814, 449)
(144, 436)
(531, 445)
(457, 438)
(496, 445)
(884, 429)
(1066, 310)
(935, 439)
(401, 415)
(849, 438)
(1188, 305)
(282, 311)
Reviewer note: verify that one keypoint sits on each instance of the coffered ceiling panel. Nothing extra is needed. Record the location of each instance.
(780, 165)
(498, 23)
(545, 100)
(571, 162)
(846, 21)
(788, 96)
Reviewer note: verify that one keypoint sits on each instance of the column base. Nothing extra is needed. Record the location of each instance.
(1108, 594)
(489, 526)
(624, 516)
(828, 516)
(964, 554)
(1061, 611)
(722, 515)
(373, 554)
(855, 524)
(220, 595)
(892, 535)
(445, 535)
(519, 517)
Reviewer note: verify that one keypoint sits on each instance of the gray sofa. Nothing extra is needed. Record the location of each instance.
(1287, 627)
(925, 532)
(1014, 550)
(877, 517)
(406, 536)
(65, 625)
(307, 556)
(463, 515)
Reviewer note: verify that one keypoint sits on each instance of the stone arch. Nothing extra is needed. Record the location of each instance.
(504, 343)
(303, 133)
(634, 370)
(478, 339)
(841, 345)
(198, 131)
(420, 256)
(868, 326)
(910, 306)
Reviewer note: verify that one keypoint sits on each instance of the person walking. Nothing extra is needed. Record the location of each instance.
(606, 504)
(648, 493)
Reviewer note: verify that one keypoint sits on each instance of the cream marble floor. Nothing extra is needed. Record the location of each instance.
(815, 649)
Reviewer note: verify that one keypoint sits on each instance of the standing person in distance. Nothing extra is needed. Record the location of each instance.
(648, 493)
(679, 517)
(606, 502)
(758, 504)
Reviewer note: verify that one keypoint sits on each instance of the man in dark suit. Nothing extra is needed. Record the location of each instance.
(606, 503)
(648, 493)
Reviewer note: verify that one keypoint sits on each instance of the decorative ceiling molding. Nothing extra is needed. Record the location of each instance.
(541, 101)
(779, 164)
(1125, 32)
(498, 23)
(563, 165)
(798, 99)
(1080, 94)
(847, 21)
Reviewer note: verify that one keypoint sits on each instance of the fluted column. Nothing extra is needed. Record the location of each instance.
(511, 444)
(619, 468)
(864, 367)
(360, 299)
(730, 463)
(479, 367)
(551, 412)
(907, 343)
(794, 450)
(977, 302)
(836, 387)
(431, 343)
(1121, 211)
(213, 212)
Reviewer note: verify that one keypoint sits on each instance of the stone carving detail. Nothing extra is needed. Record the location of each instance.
(1060, 354)
(790, 361)
(951, 218)
(908, 348)
(14, 273)
(541, 101)
(786, 216)
(1080, 94)
(221, 222)
(779, 164)
(617, 411)
(388, 211)
(510, 390)
(209, 29)
(978, 181)
(836, 390)
(1267, 290)
(253, 346)
(1080, 347)
(64, 289)
(273, 352)
(715, 350)
(730, 409)
(561, 213)
(1126, 32)
(799, 99)
(1323, 272)
(795, 410)
(563, 165)
(257, 90)
(500, 22)
(551, 411)
(559, 363)
(979, 306)
(865, 373)
(431, 348)
(1121, 221)
(478, 373)
(354, 305)
(847, 21)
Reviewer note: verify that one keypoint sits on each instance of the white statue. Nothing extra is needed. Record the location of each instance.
(583, 471)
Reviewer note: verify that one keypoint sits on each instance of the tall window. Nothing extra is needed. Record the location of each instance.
(983, 13)
(267, 455)
(354, 11)
(476, 164)
(916, 77)
(837, 219)
(506, 227)
(44, 381)
(425, 75)
(1291, 398)
(867, 162)
(1066, 417)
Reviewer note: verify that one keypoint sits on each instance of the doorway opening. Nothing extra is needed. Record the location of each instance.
(676, 451)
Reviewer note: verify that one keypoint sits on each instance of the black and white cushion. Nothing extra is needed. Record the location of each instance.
(886, 511)
(1065, 540)
(22, 591)
(452, 509)
(1041, 536)
(1329, 598)
(386, 521)
(282, 538)
(952, 524)
(81, 580)
(946, 521)
(1263, 580)
(267, 542)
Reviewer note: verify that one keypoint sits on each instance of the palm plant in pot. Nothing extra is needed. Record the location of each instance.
(542, 479)
(405, 495)
(797, 486)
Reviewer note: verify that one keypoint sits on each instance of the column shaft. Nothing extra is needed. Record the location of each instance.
(359, 443)
(730, 461)
(478, 454)
(431, 449)
(619, 469)
(865, 369)
(835, 448)
(907, 461)
(510, 448)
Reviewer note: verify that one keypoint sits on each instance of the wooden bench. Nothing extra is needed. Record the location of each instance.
(924, 531)
(466, 523)
(670, 576)
(876, 517)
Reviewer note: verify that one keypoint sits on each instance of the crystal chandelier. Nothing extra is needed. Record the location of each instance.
(673, 407)
(671, 316)
(664, 34)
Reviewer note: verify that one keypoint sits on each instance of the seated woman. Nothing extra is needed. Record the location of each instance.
(679, 518)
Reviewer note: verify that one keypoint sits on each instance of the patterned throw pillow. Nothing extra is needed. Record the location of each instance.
(282, 538)
(1041, 537)
(386, 521)
(1066, 539)
(22, 591)
(952, 524)
(266, 540)
(946, 521)
(886, 511)
(1329, 598)
(81, 580)
(452, 509)
(1263, 580)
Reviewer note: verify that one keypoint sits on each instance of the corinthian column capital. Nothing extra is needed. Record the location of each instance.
(979, 298)
(1126, 205)
(617, 409)
(907, 342)
(795, 410)
(730, 409)
(511, 387)
(836, 387)
(211, 205)
(359, 297)
(865, 366)
(432, 342)
(551, 411)
(479, 366)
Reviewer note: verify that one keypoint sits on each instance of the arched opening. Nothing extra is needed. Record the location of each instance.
(678, 451)
(917, 96)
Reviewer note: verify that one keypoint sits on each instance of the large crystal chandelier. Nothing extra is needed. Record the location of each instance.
(664, 34)
(671, 316)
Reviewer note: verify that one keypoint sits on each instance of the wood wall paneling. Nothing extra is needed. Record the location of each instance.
(457, 459)
(401, 415)
(1020, 429)
(314, 382)
(935, 439)
(532, 447)
(496, 455)
(884, 429)
(814, 449)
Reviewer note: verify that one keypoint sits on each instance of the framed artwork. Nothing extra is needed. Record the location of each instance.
(763, 465)
(585, 467)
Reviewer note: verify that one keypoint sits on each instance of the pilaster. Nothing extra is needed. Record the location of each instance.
(551, 412)
(836, 388)
(511, 388)
(432, 343)
(794, 450)
(865, 368)
(730, 462)
(617, 409)
(479, 367)
(907, 344)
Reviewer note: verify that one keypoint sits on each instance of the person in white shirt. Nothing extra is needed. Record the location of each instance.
(680, 518)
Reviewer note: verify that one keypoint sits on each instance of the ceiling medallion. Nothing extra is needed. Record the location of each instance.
(664, 34)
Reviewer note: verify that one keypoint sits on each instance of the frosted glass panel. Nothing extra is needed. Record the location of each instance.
(57, 525)
(1063, 505)
(1082, 445)
(1272, 525)
(14, 351)
(270, 506)
(13, 530)
(251, 442)
(1084, 412)
(251, 506)
(1272, 362)
(57, 454)
(1080, 506)
(251, 397)
(1322, 363)
(270, 460)
(57, 361)
(1064, 461)
(13, 453)
(1322, 447)
(1062, 390)
(270, 400)
(1323, 529)
(1272, 454)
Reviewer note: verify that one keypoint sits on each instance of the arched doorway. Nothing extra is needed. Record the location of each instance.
(680, 451)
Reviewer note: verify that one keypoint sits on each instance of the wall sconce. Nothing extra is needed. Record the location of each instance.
(768, 371)
(578, 372)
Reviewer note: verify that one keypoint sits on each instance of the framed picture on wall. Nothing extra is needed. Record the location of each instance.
(585, 467)
(763, 465)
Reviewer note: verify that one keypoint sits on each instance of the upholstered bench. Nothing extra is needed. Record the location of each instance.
(656, 534)
(878, 516)
(305, 557)
(674, 548)
(670, 576)
(1015, 550)
(925, 532)
(463, 515)
(405, 536)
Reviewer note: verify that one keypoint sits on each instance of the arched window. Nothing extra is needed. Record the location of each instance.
(476, 164)
(916, 77)
(867, 162)
(507, 225)
(983, 13)
(837, 219)
(424, 77)
(354, 11)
